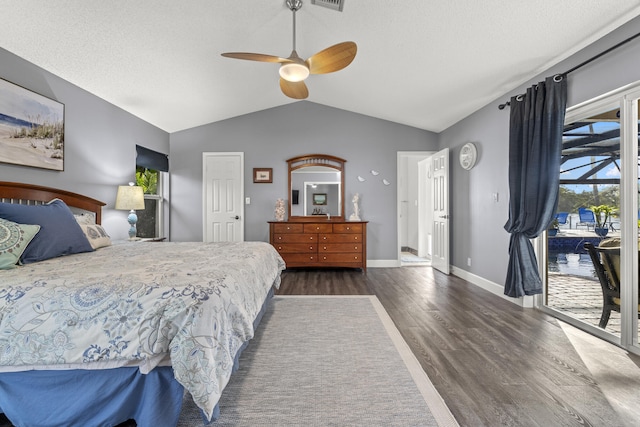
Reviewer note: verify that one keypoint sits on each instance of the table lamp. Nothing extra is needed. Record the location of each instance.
(130, 197)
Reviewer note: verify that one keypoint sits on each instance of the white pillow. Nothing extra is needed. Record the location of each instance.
(85, 218)
(97, 237)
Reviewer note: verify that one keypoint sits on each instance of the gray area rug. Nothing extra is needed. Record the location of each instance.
(327, 361)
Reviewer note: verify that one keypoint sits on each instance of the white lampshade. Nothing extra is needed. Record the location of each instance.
(129, 197)
(294, 72)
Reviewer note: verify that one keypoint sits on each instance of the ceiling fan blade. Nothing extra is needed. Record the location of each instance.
(255, 57)
(333, 58)
(295, 90)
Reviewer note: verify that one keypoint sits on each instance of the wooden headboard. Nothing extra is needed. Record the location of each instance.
(16, 192)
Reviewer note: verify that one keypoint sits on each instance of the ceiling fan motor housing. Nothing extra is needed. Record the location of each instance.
(294, 5)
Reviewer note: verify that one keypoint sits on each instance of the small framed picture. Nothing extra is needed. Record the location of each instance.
(263, 175)
(319, 198)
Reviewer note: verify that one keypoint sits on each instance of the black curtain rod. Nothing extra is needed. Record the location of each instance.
(501, 106)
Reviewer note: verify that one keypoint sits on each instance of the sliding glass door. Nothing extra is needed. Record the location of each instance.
(591, 252)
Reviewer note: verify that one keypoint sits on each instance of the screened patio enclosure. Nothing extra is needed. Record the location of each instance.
(591, 146)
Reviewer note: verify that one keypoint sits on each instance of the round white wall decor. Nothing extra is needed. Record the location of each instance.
(468, 155)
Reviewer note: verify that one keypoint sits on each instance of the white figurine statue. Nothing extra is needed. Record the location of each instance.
(355, 216)
(279, 212)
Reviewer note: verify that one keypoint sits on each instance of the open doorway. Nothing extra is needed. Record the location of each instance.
(414, 208)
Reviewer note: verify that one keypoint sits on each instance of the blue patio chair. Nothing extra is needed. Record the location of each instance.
(562, 218)
(587, 218)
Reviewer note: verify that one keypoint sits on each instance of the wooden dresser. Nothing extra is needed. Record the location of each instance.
(321, 244)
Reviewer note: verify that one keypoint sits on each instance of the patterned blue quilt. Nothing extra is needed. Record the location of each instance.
(191, 305)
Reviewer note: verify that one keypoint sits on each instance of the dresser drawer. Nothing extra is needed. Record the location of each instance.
(340, 238)
(299, 260)
(340, 258)
(317, 228)
(340, 247)
(288, 228)
(294, 238)
(347, 228)
(295, 247)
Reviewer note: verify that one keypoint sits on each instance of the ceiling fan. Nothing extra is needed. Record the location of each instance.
(294, 70)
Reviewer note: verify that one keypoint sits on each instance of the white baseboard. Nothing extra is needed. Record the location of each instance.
(383, 263)
(494, 288)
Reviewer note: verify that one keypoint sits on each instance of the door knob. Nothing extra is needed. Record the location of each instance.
(235, 217)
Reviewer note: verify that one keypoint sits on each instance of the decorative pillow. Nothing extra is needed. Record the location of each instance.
(14, 239)
(97, 237)
(60, 234)
(85, 218)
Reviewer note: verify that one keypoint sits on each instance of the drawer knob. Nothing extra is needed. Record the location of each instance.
(356, 258)
(356, 238)
(356, 248)
(325, 248)
(310, 248)
(325, 237)
(280, 238)
(348, 228)
(279, 248)
(325, 258)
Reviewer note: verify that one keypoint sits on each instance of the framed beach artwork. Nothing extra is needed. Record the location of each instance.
(31, 128)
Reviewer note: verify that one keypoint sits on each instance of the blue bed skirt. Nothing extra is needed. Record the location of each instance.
(97, 397)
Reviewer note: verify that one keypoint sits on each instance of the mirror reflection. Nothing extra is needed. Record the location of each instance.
(316, 191)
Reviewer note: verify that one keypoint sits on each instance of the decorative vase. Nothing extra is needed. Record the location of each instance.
(552, 231)
(279, 211)
(601, 231)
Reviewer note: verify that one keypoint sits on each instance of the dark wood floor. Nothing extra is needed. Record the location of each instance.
(494, 363)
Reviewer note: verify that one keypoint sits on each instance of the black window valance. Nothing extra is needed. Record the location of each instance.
(151, 159)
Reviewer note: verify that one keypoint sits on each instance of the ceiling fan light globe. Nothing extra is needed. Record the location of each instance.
(294, 72)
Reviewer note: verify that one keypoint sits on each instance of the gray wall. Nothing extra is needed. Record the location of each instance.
(478, 221)
(100, 154)
(100, 141)
(270, 137)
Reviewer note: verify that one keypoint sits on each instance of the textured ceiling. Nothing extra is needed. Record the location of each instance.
(421, 63)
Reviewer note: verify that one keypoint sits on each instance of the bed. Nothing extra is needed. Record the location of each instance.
(120, 331)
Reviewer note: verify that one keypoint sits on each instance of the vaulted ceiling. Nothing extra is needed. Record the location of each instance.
(426, 64)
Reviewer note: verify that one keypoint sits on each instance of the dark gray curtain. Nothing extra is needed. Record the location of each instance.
(535, 146)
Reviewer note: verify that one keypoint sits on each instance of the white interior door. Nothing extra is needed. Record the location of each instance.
(440, 232)
(223, 193)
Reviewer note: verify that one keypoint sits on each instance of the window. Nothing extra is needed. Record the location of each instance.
(151, 174)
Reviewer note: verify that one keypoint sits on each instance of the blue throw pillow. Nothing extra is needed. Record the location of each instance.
(59, 232)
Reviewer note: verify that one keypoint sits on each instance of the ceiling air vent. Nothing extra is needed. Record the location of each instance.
(330, 4)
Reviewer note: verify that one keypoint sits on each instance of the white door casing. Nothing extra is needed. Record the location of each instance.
(223, 194)
(424, 210)
(440, 231)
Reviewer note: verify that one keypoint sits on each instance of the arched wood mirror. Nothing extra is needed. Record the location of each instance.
(316, 187)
